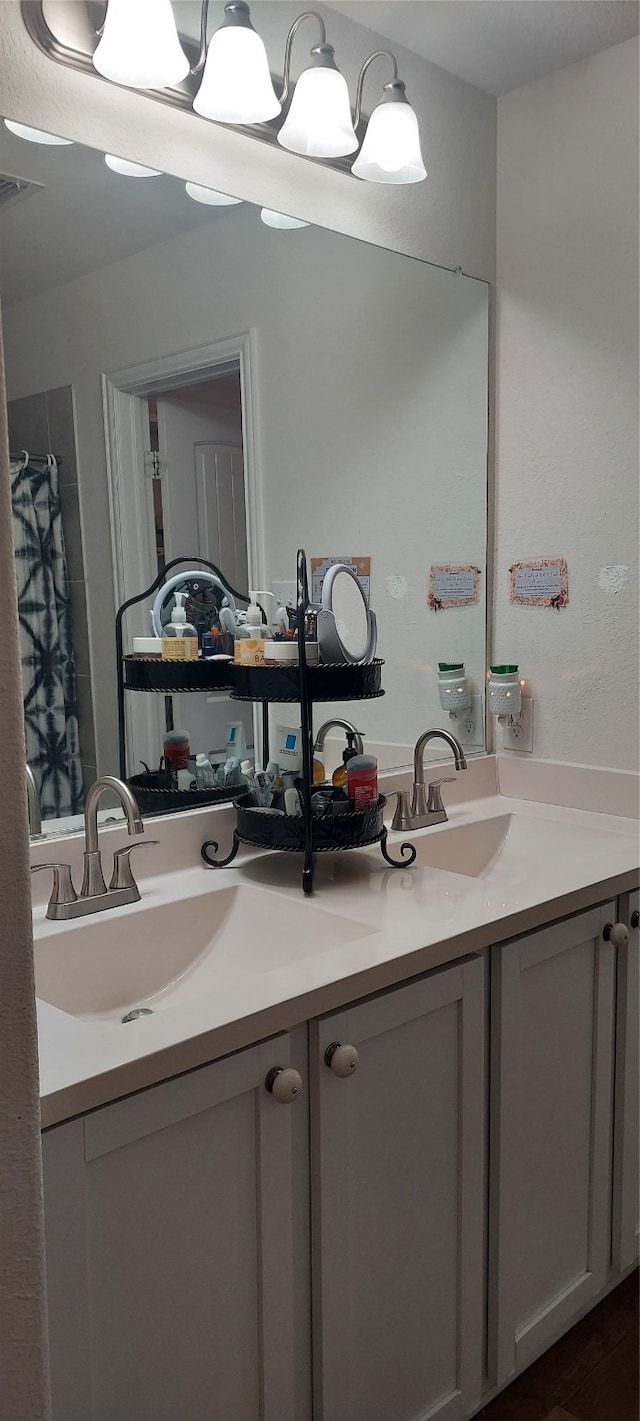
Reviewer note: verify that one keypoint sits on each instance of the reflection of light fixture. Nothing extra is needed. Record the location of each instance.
(318, 124)
(236, 85)
(280, 220)
(390, 151)
(129, 169)
(209, 196)
(36, 135)
(139, 45)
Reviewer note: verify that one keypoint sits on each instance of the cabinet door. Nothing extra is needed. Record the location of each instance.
(551, 1052)
(398, 1170)
(626, 1164)
(176, 1280)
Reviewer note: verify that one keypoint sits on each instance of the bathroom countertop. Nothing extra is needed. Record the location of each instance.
(412, 919)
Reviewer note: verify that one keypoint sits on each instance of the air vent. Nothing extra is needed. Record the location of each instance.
(14, 189)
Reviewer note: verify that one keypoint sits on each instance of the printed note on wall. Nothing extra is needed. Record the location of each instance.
(541, 582)
(320, 567)
(453, 585)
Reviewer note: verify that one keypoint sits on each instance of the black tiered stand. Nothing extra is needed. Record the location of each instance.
(140, 673)
(307, 684)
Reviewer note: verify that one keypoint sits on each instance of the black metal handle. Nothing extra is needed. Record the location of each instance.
(635, 918)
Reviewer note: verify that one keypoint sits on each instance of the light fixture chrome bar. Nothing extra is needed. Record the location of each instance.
(200, 62)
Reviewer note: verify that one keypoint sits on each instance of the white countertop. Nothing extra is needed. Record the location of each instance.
(413, 919)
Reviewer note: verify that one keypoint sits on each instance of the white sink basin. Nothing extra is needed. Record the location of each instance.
(511, 847)
(102, 967)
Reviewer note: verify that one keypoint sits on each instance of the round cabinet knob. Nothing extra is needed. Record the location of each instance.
(616, 933)
(635, 919)
(284, 1084)
(342, 1060)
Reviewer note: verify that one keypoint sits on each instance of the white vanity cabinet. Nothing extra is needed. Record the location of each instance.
(398, 1217)
(177, 1250)
(626, 1164)
(552, 1014)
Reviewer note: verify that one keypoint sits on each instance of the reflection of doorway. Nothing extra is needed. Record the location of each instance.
(200, 504)
(183, 426)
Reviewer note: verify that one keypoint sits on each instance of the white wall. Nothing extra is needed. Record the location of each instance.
(370, 387)
(449, 219)
(567, 397)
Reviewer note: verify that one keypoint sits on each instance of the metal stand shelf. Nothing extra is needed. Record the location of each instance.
(307, 835)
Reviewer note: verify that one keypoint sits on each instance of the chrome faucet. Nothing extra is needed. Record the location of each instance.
(33, 800)
(342, 725)
(424, 811)
(94, 895)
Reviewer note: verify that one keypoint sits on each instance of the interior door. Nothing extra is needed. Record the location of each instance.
(204, 514)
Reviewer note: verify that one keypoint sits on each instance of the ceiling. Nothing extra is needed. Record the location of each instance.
(497, 45)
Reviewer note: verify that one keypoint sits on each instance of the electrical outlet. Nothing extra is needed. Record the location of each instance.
(468, 725)
(519, 735)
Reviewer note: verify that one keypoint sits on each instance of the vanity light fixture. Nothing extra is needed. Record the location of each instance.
(280, 220)
(390, 152)
(37, 135)
(139, 45)
(236, 85)
(127, 169)
(209, 196)
(319, 123)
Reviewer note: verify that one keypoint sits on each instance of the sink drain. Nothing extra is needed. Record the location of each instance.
(137, 1011)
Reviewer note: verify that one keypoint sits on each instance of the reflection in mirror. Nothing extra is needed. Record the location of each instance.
(190, 382)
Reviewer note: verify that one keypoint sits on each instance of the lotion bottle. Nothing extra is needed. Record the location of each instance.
(179, 637)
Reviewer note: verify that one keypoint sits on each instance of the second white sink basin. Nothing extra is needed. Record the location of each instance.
(158, 957)
(511, 847)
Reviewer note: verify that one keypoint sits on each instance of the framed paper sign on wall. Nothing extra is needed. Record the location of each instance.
(541, 582)
(453, 585)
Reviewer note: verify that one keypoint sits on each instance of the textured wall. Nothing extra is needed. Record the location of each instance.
(23, 1352)
(449, 219)
(567, 398)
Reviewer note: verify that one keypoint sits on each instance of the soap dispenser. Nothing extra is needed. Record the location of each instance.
(249, 650)
(339, 776)
(179, 637)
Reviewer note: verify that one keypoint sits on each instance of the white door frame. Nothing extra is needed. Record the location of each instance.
(130, 504)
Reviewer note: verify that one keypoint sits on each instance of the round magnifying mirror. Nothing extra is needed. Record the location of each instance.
(346, 628)
(350, 611)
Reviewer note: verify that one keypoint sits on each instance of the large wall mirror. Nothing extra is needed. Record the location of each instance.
(189, 378)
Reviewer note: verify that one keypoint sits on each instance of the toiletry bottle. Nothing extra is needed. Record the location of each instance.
(362, 782)
(249, 650)
(179, 637)
(205, 774)
(339, 776)
(176, 750)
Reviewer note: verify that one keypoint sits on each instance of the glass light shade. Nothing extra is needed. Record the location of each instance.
(390, 151)
(139, 46)
(36, 135)
(319, 124)
(209, 196)
(280, 220)
(236, 85)
(129, 169)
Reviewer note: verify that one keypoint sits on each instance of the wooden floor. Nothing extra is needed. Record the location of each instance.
(591, 1374)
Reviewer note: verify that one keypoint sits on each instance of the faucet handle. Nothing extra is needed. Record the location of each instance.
(63, 890)
(434, 802)
(122, 876)
(402, 812)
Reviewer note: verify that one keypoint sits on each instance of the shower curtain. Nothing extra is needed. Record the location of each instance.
(46, 645)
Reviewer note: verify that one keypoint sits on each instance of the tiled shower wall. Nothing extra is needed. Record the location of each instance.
(44, 424)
